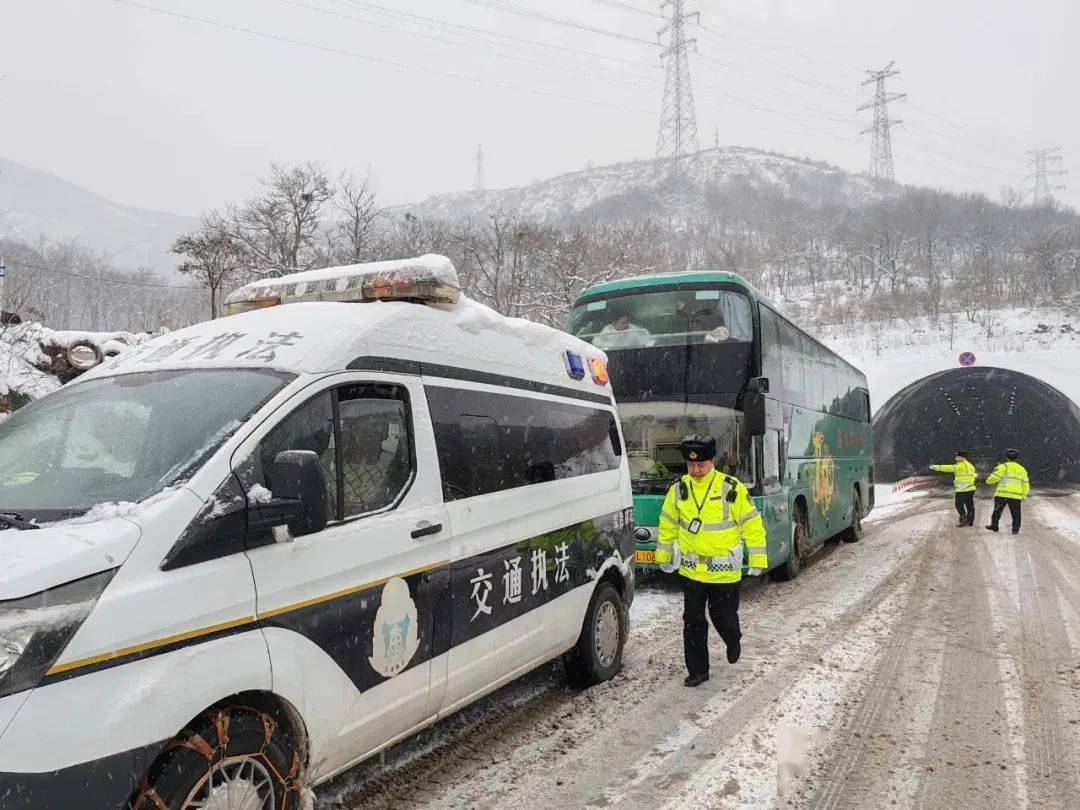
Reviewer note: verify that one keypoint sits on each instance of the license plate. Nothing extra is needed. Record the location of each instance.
(647, 557)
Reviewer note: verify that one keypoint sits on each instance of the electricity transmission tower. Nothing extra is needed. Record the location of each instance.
(1044, 176)
(479, 168)
(881, 162)
(678, 123)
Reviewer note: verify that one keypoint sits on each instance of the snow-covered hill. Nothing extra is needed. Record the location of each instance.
(1043, 343)
(35, 203)
(639, 188)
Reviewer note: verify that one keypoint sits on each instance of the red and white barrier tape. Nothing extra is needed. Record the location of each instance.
(913, 481)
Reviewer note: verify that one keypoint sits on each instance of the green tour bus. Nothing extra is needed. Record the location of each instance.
(706, 353)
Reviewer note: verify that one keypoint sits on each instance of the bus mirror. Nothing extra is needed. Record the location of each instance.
(759, 385)
(754, 410)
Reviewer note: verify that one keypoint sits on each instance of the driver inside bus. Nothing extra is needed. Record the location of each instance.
(622, 334)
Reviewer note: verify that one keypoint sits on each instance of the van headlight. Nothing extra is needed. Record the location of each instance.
(34, 630)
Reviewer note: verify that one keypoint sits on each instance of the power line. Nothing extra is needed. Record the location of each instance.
(805, 111)
(739, 38)
(625, 6)
(503, 5)
(499, 40)
(376, 59)
(484, 35)
(571, 67)
(575, 67)
(45, 269)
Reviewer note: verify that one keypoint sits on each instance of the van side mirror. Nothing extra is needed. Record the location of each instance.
(299, 476)
(754, 410)
(299, 498)
(758, 385)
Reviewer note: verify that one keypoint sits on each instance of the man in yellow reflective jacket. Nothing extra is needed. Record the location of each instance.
(964, 484)
(1012, 487)
(704, 522)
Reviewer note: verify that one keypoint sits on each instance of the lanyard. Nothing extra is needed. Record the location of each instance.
(705, 497)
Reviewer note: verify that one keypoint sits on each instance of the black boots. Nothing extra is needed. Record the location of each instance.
(695, 680)
(733, 652)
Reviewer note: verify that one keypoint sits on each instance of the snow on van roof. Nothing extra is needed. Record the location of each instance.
(429, 278)
(317, 337)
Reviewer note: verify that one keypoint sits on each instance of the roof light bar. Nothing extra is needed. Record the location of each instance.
(426, 279)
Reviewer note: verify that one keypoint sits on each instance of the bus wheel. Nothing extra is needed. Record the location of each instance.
(799, 534)
(853, 534)
(228, 757)
(597, 656)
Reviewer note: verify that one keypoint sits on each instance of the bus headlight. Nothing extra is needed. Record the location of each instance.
(34, 630)
(642, 535)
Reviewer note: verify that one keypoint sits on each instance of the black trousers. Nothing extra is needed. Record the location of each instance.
(965, 505)
(722, 601)
(1014, 512)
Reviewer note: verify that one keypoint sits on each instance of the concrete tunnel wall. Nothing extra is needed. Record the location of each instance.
(983, 410)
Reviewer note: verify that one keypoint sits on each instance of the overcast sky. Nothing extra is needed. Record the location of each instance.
(181, 115)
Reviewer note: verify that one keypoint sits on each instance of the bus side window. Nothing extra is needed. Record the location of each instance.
(814, 372)
(771, 461)
(771, 353)
(794, 385)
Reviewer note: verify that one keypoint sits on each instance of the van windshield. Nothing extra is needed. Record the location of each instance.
(122, 439)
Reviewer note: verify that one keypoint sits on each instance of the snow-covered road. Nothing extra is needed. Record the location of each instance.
(931, 666)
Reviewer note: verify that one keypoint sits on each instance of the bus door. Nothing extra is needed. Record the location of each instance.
(773, 503)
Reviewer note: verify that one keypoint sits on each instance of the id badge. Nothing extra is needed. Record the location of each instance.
(695, 526)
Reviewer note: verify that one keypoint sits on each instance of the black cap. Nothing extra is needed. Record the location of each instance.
(698, 448)
(962, 453)
(1012, 455)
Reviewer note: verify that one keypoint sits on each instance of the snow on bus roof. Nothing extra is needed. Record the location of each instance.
(317, 337)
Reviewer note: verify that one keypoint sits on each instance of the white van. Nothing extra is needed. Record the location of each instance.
(244, 556)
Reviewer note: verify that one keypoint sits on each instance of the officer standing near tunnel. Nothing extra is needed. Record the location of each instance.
(706, 516)
(964, 484)
(1012, 487)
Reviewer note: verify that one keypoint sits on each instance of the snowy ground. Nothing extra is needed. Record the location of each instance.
(928, 665)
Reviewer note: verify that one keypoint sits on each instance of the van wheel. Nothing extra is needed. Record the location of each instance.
(800, 535)
(853, 534)
(229, 757)
(597, 656)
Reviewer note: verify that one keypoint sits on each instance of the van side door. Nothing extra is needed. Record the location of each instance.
(537, 500)
(351, 613)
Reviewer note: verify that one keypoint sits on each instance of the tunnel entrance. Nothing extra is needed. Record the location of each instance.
(983, 411)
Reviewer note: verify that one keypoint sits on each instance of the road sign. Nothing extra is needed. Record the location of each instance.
(967, 359)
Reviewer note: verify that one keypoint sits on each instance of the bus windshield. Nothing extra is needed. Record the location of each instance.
(654, 431)
(123, 438)
(665, 318)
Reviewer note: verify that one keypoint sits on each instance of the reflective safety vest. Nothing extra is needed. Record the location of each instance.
(709, 527)
(1011, 479)
(963, 474)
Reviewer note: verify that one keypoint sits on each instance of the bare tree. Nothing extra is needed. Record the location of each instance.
(280, 229)
(355, 231)
(212, 258)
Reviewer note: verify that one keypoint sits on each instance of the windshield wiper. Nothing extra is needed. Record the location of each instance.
(11, 520)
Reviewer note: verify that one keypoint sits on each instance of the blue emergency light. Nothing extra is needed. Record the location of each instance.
(575, 366)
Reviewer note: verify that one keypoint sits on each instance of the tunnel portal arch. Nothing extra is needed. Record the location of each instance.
(983, 411)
